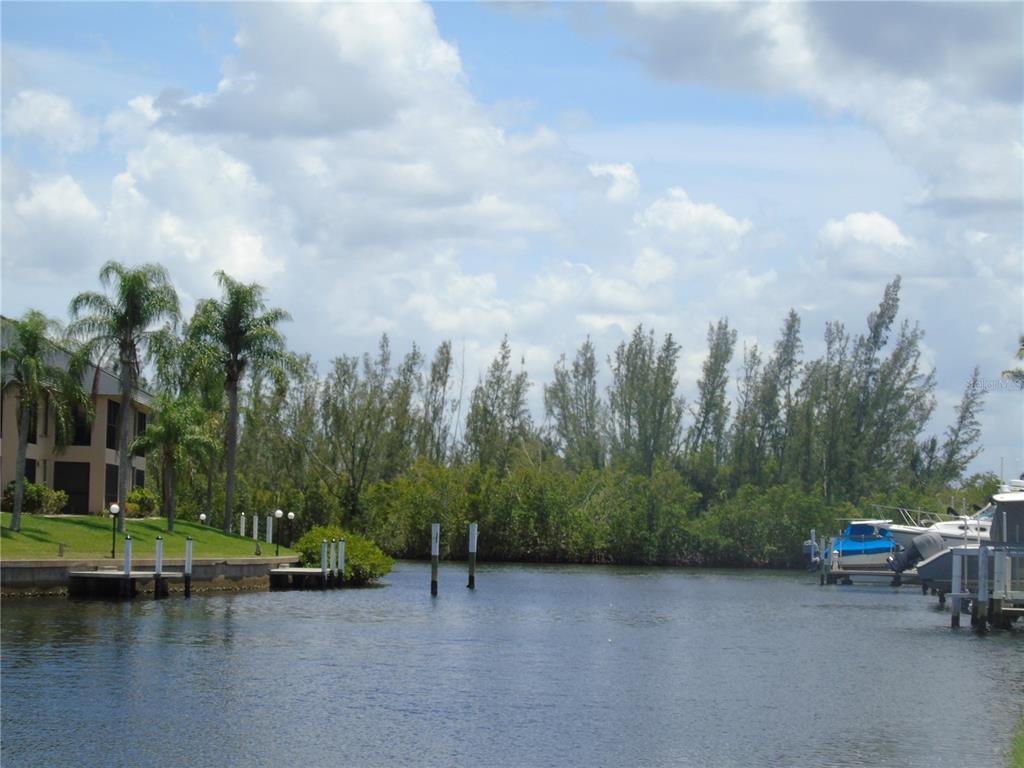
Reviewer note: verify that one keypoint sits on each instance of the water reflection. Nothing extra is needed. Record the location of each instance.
(538, 666)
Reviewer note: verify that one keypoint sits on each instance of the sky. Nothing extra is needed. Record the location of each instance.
(545, 171)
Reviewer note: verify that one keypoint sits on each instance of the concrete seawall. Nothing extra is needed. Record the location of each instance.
(50, 577)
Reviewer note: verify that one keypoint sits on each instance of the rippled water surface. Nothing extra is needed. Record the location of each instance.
(540, 666)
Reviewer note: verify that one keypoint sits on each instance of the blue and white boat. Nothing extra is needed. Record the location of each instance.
(863, 544)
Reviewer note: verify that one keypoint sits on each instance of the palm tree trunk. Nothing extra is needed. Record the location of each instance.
(124, 440)
(232, 449)
(168, 481)
(210, 470)
(19, 465)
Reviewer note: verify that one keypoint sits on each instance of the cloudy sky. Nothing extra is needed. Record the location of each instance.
(547, 171)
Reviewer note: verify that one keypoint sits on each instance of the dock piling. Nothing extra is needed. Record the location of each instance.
(979, 615)
(188, 566)
(332, 554)
(126, 586)
(158, 568)
(323, 564)
(127, 555)
(472, 556)
(341, 562)
(435, 550)
(955, 588)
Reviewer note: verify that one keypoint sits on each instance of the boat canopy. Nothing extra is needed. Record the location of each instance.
(867, 529)
(1008, 519)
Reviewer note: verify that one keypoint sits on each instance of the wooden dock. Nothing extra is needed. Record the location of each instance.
(996, 599)
(846, 576)
(303, 578)
(119, 585)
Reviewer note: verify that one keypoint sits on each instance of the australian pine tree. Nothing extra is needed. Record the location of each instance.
(576, 411)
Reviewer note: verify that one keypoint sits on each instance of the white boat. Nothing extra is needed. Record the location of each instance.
(863, 545)
(929, 552)
(963, 531)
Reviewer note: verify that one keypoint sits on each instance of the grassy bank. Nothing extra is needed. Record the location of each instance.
(1017, 748)
(89, 537)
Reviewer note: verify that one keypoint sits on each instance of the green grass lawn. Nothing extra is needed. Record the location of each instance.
(1017, 749)
(89, 537)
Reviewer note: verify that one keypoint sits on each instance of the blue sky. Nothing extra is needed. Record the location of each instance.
(546, 171)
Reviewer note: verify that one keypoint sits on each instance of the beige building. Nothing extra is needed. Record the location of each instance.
(87, 468)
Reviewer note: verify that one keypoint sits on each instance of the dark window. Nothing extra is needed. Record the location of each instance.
(140, 430)
(32, 422)
(46, 416)
(113, 412)
(44, 472)
(82, 434)
(110, 485)
(83, 429)
(72, 477)
(140, 478)
(30, 470)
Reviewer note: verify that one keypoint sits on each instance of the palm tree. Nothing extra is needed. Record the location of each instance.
(184, 367)
(120, 326)
(32, 360)
(238, 332)
(176, 434)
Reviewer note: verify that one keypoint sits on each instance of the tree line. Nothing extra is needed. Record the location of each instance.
(626, 472)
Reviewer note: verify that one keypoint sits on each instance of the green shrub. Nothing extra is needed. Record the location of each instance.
(364, 561)
(144, 502)
(38, 499)
(52, 502)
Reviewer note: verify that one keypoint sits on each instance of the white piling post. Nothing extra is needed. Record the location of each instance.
(270, 529)
(956, 587)
(341, 561)
(127, 555)
(126, 584)
(255, 528)
(241, 525)
(997, 573)
(158, 569)
(188, 567)
(159, 588)
(472, 555)
(982, 587)
(435, 551)
(323, 563)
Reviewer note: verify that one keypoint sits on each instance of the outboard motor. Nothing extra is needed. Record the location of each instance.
(812, 555)
(921, 548)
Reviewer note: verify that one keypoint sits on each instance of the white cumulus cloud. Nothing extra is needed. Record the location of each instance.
(690, 225)
(869, 229)
(57, 199)
(51, 119)
(624, 183)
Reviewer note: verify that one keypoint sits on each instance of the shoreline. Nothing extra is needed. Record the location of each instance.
(49, 578)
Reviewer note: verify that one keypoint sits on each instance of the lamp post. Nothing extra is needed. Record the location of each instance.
(202, 518)
(278, 514)
(115, 510)
(291, 516)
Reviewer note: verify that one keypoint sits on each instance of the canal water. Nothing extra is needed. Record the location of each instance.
(540, 666)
